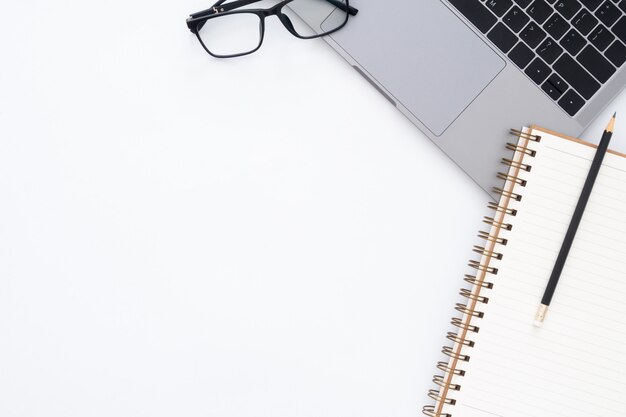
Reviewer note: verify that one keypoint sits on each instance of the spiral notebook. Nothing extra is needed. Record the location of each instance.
(575, 365)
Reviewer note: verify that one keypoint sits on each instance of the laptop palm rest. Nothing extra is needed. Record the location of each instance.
(423, 55)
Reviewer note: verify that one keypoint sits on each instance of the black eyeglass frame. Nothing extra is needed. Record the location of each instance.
(196, 21)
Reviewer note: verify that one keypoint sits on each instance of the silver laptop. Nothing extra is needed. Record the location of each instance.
(466, 71)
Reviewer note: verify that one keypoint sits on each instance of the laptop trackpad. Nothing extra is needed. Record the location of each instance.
(425, 56)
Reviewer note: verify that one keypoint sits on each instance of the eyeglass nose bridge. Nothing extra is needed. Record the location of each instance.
(284, 19)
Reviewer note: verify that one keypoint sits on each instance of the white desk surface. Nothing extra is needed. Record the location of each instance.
(187, 236)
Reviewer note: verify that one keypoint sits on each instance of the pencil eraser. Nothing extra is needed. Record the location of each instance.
(538, 323)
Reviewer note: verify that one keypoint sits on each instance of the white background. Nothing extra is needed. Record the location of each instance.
(187, 236)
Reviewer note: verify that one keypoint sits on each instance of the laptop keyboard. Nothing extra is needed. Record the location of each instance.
(569, 48)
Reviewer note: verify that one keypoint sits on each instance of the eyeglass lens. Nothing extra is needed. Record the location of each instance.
(242, 32)
(232, 34)
(323, 16)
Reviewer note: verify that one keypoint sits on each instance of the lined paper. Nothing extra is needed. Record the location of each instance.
(575, 365)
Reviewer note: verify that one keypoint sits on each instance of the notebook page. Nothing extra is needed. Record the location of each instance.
(575, 365)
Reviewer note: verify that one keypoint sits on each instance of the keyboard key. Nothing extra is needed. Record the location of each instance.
(600, 37)
(516, 19)
(567, 8)
(616, 53)
(539, 10)
(521, 55)
(596, 64)
(608, 13)
(476, 13)
(584, 22)
(571, 102)
(576, 76)
(502, 37)
(549, 50)
(591, 4)
(556, 26)
(622, 5)
(538, 71)
(558, 83)
(573, 42)
(620, 29)
(499, 7)
(532, 34)
(523, 3)
(551, 90)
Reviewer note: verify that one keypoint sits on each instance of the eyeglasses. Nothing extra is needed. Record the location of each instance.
(225, 32)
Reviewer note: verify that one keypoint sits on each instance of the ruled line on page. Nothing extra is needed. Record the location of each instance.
(563, 400)
(577, 156)
(619, 279)
(602, 348)
(602, 177)
(575, 393)
(564, 326)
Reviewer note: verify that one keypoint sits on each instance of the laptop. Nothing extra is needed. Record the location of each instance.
(466, 71)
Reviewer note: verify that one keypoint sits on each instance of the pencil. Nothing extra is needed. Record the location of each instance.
(573, 225)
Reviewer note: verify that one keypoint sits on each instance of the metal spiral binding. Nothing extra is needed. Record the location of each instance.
(507, 177)
(485, 252)
(430, 411)
(516, 164)
(523, 135)
(474, 281)
(466, 324)
(460, 307)
(482, 267)
(499, 224)
(495, 207)
(490, 238)
(507, 193)
(444, 367)
(450, 352)
(439, 380)
(518, 148)
(458, 322)
(470, 295)
(454, 337)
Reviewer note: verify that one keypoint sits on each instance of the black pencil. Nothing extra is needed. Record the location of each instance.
(573, 225)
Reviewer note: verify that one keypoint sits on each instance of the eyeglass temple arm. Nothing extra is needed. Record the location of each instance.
(337, 3)
(240, 3)
(218, 8)
(352, 11)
